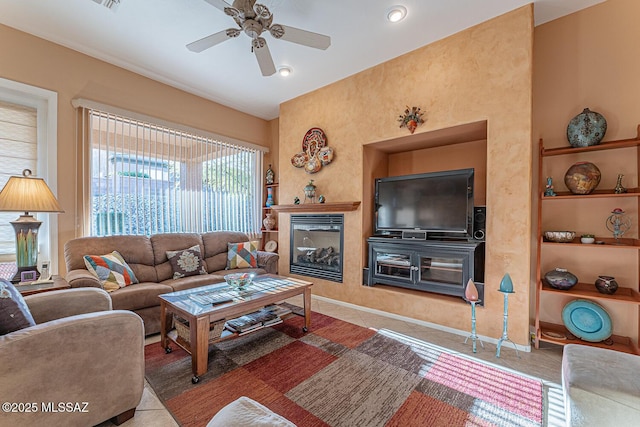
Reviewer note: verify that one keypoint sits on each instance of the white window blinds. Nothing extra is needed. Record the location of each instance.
(147, 178)
(18, 151)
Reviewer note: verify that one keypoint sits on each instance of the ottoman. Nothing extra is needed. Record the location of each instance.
(601, 387)
(245, 412)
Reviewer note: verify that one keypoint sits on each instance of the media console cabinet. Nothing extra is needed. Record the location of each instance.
(438, 266)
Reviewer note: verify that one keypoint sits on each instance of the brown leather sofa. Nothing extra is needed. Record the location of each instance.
(147, 258)
(81, 364)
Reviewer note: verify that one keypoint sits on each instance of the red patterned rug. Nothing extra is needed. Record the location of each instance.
(340, 374)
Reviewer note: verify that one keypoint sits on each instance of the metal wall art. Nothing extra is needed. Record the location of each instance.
(411, 118)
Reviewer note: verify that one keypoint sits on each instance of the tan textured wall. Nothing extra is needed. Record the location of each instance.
(483, 73)
(34, 61)
(590, 59)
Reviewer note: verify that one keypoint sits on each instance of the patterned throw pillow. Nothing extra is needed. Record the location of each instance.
(14, 313)
(111, 269)
(187, 262)
(242, 255)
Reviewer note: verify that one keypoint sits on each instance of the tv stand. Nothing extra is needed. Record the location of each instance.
(437, 266)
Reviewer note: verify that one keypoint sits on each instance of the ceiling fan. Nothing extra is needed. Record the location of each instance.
(254, 19)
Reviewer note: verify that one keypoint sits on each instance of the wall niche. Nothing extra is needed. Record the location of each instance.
(457, 147)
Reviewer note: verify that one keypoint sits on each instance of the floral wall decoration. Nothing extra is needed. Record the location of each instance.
(411, 118)
(315, 152)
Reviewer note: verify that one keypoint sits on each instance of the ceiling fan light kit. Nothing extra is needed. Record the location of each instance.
(284, 71)
(396, 13)
(253, 19)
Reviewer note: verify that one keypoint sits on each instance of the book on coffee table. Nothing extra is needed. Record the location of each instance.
(252, 321)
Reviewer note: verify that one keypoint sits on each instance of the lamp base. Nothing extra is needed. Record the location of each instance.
(31, 271)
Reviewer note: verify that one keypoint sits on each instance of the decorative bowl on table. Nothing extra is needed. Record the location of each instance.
(239, 281)
(560, 236)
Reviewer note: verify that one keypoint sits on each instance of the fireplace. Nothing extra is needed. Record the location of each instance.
(316, 246)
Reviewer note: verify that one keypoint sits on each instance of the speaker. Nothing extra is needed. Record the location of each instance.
(479, 222)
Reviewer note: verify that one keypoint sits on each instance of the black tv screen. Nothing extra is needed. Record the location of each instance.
(440, 202)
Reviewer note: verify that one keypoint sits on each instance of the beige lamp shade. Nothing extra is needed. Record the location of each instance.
(28, 194)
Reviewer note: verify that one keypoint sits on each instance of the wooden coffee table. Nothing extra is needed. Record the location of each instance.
(191, 306)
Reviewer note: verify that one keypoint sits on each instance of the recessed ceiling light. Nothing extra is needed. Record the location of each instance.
(284, 71)
(396, 13)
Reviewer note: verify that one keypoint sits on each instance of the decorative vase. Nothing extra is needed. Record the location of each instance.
(269, 222)
(560, 278)
(310, 192)
(269, 202)
(269, 176)
(606, 285)
(582, 178)
(587, 128)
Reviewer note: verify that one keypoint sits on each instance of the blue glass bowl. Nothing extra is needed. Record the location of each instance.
(239, 280)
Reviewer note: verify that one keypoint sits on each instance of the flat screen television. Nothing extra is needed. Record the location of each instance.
(438, 203)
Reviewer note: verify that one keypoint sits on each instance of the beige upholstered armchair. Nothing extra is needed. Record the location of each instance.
(81, 364)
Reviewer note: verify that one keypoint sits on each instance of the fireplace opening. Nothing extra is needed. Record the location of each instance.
(316, 246)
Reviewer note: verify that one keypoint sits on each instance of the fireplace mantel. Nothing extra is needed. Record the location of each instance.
(318, 207)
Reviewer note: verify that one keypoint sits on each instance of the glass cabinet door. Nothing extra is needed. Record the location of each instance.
(395, 265)
(446, 270)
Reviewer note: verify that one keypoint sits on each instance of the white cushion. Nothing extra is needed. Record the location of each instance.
(244, 412)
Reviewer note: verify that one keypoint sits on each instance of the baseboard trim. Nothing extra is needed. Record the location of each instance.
(506, 344)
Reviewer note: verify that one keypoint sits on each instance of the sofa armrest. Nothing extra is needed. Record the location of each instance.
(95, 360)
(53, 305)
(81, 278)
(268, 261)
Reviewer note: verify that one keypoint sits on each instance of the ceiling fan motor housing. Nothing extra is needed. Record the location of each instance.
(252, 28)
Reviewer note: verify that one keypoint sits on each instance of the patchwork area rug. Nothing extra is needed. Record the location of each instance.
(340, 374)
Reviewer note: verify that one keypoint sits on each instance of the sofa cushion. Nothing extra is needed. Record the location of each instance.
(111, 269)
(136, 251)
(242, 255)
(216, 247)
(164, 242)
(139, 296)
(193, 281)
(14, 313)
(187, 262)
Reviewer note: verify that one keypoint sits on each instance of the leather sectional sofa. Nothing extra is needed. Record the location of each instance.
(147, 257)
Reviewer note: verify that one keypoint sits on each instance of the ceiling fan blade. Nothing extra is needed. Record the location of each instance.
(263, 56)
(303, 37)
(212, 40)
(220, 4)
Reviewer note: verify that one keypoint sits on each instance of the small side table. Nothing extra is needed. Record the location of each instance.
(58, 283)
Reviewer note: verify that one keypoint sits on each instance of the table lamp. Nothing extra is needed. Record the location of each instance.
(27, 194)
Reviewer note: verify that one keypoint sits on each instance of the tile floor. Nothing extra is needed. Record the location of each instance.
(544, 363)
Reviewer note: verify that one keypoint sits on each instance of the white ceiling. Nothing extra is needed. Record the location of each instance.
(149, 38)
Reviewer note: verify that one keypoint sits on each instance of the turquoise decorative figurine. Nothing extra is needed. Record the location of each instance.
(548, 192)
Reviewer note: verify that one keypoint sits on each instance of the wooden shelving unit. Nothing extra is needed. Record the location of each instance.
(626, 297)
(269, 234)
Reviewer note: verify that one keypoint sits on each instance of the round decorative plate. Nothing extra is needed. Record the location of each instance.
(299, 160)
(587, 320)
(313, 141)
(271, 246)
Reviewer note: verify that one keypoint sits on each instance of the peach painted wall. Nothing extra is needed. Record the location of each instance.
(34, 61)
(590, 59)
(482, 73)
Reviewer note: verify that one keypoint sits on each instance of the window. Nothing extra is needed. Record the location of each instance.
(148, 178)
(28, 132)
